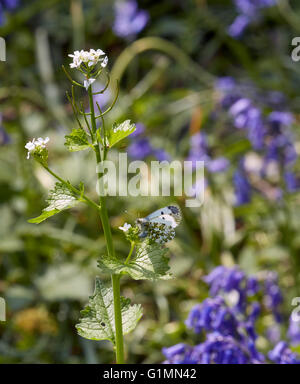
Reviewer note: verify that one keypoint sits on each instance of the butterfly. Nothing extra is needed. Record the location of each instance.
(160, 224)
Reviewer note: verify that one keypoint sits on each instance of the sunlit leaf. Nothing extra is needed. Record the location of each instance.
(60, 198)
(118, 132)
(97, 320)
(77, 140)
(149, 263)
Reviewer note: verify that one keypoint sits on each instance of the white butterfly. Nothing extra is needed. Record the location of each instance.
(166, 218)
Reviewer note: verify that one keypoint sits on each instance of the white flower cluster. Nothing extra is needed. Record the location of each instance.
(90, 58)
(160, 233)
(33, 145)
(125, 227)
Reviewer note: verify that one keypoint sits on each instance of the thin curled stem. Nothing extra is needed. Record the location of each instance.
(158, 44)
(112, 105)
(70, 78)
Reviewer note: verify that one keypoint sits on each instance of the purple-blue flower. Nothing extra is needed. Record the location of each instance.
(294, 331)
(229, 330)
(273, 296)
(212, 315)
(249, 11)
(237, 28)
(141, 148)
(281, 354)
(199, 151)
(179, 354)
(242, 186)
(4, 137)
(219, 349)
(7, 5)
(129, 20)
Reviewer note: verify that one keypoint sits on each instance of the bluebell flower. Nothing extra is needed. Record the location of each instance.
(279, 118)
(249, 11)
(161, 155)
(10, 4)
(247, 116)
(140, 148)
(220, 164)
(294, 332)
(140, 129)
(226, 83)
(281, 354)
(225, 280)
(179, 354)
(237, 28)
(242, 186)
(272, 294)
(252, 286)
(255, 311)
(129, 20)
(7, 5)
(198, 148)
(212, 315)
(219, 349)
(291, 181)
(199, 151)
(4, 137)
(230, 331)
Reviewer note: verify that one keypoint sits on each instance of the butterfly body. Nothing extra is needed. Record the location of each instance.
(160, 224)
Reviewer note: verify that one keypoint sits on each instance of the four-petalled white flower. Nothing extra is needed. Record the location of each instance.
(87, 83)
(35, 144)
(90, 58)
(125, 227)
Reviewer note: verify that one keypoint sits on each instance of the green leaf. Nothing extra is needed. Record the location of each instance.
(97, 320)
(60, 198)
(45, 215)
(149, 263)
(77, 140)
(118, 132)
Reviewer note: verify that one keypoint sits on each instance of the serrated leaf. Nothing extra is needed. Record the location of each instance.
(97, 320)
(77, 140)
(118, 132)
(149, 263)
(60, 198)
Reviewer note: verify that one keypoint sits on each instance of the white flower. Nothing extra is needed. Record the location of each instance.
(104, 62)
(35, 144)
(125, 227)
(87, 83)
(90, 58)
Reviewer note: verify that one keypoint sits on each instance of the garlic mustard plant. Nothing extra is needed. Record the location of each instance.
(108, 315)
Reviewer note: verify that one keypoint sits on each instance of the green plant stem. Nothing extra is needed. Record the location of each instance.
(130, 253)
(118, 319)
(110, 246)
(75, 190)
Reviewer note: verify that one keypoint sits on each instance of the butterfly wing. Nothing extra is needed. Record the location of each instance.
(170, 215)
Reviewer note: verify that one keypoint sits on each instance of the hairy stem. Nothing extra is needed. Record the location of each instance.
(109, 243)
